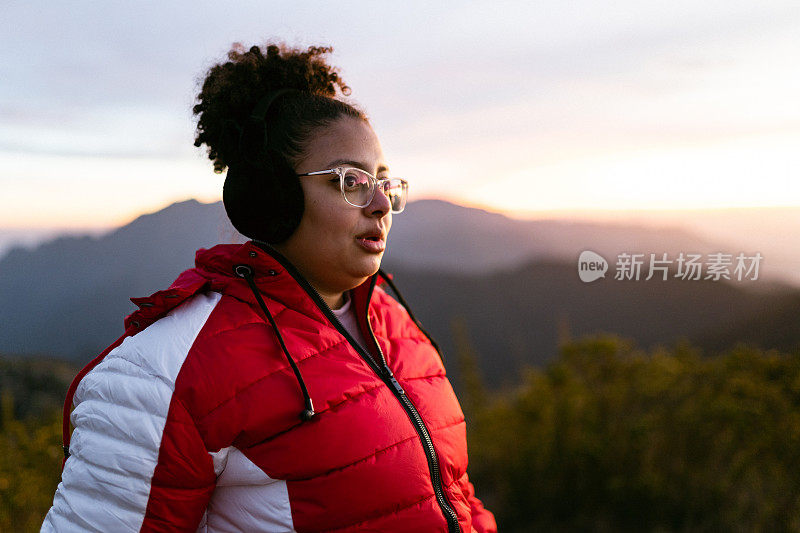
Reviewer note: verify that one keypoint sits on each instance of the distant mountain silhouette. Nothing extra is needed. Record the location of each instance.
(513, 283)
(438, 235)
(66, 297)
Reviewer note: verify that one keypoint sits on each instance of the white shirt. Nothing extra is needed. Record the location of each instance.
(347, 317)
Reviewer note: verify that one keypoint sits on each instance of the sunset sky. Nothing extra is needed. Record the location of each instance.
(533, 108)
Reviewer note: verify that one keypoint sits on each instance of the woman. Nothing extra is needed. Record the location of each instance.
(276, 386)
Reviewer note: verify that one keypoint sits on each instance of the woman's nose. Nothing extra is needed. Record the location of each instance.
(380, 205)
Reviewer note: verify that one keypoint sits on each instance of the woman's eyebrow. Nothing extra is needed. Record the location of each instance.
(357, 164)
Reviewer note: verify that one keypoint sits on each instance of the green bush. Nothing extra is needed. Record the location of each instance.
(30, 468)
(32, 391)
(607, 438)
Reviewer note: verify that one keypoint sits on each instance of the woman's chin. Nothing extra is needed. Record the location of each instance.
(366, 267)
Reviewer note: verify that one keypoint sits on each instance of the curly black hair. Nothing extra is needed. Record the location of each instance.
(232, 89)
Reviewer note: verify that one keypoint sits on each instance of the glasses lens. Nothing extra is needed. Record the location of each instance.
(396, 191)
(357, 187)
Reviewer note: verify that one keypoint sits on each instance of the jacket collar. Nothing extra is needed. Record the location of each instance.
(275, 276)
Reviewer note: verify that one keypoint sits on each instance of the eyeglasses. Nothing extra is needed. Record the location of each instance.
(359, 186)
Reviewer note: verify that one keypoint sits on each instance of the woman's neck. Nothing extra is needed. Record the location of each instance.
(334, 300)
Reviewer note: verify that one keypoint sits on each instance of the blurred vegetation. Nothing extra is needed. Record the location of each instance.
(31, 394)
(608, 438)
(604, 438)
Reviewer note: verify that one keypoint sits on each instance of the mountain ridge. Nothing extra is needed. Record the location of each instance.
(514, 283)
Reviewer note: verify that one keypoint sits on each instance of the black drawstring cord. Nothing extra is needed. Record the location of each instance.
(410, 314)
(246, 272)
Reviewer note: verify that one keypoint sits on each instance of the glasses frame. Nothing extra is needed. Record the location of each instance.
(376, 182)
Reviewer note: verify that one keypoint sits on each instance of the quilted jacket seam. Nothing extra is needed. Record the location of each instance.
(378, 452)
(253, 303)
(382, 514)
(417, 378)
(420, 339)
(331, 408)
(265, 376)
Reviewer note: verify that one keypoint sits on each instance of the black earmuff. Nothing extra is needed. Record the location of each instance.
(262, 194)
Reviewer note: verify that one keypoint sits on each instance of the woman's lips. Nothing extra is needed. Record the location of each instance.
(374, 246)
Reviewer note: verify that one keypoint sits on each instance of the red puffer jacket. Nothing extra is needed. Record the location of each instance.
(192, 420)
